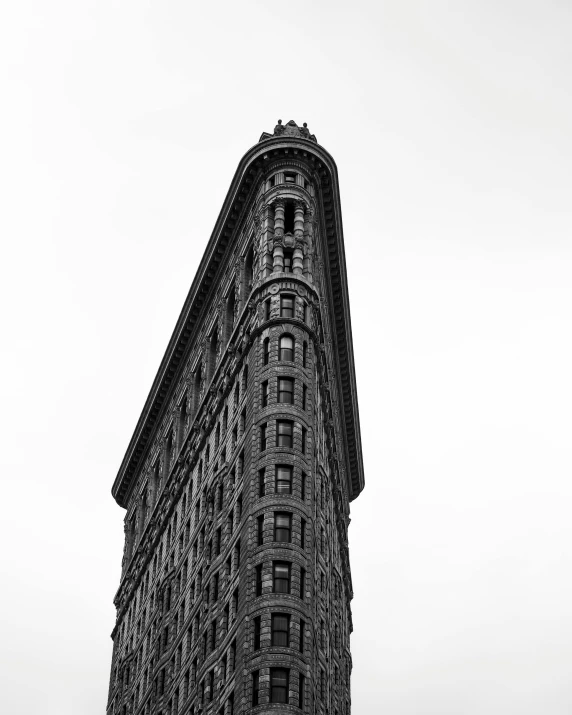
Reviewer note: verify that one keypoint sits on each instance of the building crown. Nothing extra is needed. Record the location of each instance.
(291, 129)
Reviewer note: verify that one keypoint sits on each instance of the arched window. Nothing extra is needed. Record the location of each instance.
(286, 348)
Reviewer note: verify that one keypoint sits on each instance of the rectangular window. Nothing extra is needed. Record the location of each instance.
(287, 306)
(257, 633)
(264, 394)
(303, 534)
(280, 630)
(261, 482)
(302, 583)
(267, 309)
(284, 433)
(281, 577)
(286, 390)
(255, 687)
(288, 261)
(305, 309)
(258, 583)
(302, 634)
(301, 691)
(263, 437)
(304, 397)
(282, 527)
(290, 178)
(305, 354)
(266, 350)
(279, 678)
(304, 435)
(283, 479)
(260, 530)
(303, 487)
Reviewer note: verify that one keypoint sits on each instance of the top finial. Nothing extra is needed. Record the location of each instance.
(291, 129)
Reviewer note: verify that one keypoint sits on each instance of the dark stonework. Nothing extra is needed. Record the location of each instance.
(236, 588)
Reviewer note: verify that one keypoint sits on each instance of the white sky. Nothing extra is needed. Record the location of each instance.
(121, 128)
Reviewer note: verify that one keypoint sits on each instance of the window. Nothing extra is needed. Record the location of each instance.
(284, 433)
(281, 630)
(304, 354)
(302, 583)
(260, 530)
(302, 634)
(286, 348)
(290, 178)
(304, 396)
(279, 685)
(257, 633)
(263, 437)
(261, 482)
(267, 309)
(303, 534)
(301, 691)
(287, 306)
(303, 487)
(305, 312)
(266, 350)
(288, 261)
(304, 435)
(282, 527)
(258, 583)
(283, 479)
(264, 394)
(281, 577)
(255, 687)
(289, 217)
(286, 390)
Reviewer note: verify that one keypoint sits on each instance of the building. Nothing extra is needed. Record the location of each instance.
(236, 588)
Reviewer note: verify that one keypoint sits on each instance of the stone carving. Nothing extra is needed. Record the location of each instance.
(291, 129)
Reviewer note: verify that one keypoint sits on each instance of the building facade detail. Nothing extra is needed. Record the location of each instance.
(236, 588)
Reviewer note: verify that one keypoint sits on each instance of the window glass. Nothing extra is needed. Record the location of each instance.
(286, 351)
(279, 685)
(281, 580)
(280, 630)
(283, 479)
(286, 390)
(287, 306)
(284, 433)
(283, 527)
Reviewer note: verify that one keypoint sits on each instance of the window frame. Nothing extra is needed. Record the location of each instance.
(285, 528)
(276, 690)
(287, 311)
(281, 633)
(282, 351)
(282, 392)
(277, 580)
(285, 438)
(278, 480)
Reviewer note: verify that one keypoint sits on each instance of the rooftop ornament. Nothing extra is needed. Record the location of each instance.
(290, 130)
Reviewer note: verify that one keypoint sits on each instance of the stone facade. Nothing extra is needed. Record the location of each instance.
(236, 588)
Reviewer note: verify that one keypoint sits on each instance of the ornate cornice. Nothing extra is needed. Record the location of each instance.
(240, 196)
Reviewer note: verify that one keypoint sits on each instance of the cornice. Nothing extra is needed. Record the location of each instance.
(236, 206)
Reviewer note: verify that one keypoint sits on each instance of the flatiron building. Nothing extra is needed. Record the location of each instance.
(235, 589)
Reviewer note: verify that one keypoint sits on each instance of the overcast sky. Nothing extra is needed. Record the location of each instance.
(450, 122)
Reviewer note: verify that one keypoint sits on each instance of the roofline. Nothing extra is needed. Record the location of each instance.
(215, 255)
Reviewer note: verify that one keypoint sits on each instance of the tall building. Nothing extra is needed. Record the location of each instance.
(235, 590)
